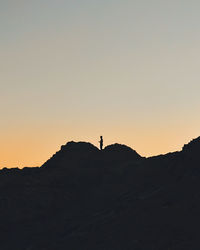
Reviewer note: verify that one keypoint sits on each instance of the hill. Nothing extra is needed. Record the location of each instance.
(84, 198)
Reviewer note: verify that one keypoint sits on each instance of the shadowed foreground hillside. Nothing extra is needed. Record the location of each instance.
(86, 199)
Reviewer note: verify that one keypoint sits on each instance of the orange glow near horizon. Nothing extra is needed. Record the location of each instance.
(27, 149)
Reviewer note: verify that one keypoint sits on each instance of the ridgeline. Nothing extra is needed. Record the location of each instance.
(84, 198)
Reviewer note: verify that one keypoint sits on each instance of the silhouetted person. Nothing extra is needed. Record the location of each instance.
(101, 142)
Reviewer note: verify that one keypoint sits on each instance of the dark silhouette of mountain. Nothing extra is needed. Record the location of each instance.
(86, 154)
(86, 198)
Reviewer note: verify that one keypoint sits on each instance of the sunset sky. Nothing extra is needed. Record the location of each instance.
(77, 69)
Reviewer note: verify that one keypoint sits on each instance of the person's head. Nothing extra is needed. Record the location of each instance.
(101, 137)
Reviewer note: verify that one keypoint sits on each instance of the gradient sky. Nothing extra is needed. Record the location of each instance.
(74, 70)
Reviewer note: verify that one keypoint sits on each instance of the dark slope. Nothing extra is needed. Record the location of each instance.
(83, 198)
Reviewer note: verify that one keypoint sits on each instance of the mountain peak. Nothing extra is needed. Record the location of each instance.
(121, 152)
(71, 153)
(78, 146)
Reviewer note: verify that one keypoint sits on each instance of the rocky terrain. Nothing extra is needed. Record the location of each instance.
(86, 199)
